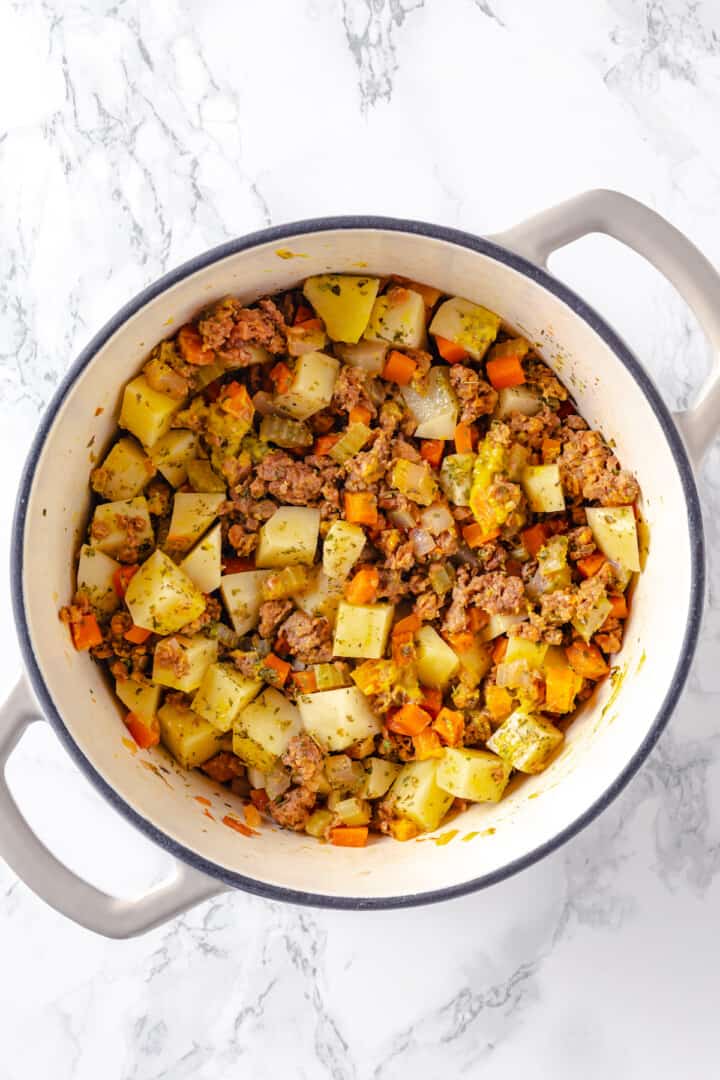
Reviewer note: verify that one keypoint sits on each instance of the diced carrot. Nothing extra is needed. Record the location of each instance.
(252, 816)
(619, 608)
(143, 734)
(409, 720)
(361, 507)
(432, 700)
(403, 829)
(136, 635)
(450, 726)
(461, 641)
(122, 577)
(281, 377)
(86, 633)
(236, 401)
(409, 625)
(475, 535)
(259, 798)
(192, 349)
(427, 745)
(349, 835)
(450, 352)
(305, 681)
(303, 314)
(403, 648)
(591, 564)
(478, 619)
(360, 414)
(550, 449)
(499, 648)
(312, 324)
(238, 826)
(233, 564)
(464, 438)
(505, 371)
(431, 450)
(362, 588)
(534, 538)
(561, 686)
(498, 701)
(324, 444)
(399, 368)
(275, 670)
(586, 660)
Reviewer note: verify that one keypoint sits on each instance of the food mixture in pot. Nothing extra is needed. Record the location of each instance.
(355, 555)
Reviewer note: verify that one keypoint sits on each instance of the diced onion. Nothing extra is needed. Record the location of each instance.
(437, 519)
(440, 578)
(368, 355)
(285, 432)
(402, 519)
(161, 377)
(285, 582)
(277, 782)
(423, 543)
(520, 399)
(342, 773)
(433, 404)
(514, 673)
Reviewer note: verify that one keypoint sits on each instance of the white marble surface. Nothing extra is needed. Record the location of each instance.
(133, 136)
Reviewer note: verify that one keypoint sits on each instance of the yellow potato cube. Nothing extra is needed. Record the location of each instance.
(543, 488)
(202, 477)
(533, 653)
(499, 624)
(143, 699)
(525, 741)
(342, 547)
(124, 472)
(436, 661)
(468, 325)
(161, 597)
(171, 453)
(398, 316)
(472, 774)
(338, 718)
(191, 740)
(615, 532)
(416, 797)
(115, 524)
(343, 302)
(193, 513)
(361, 630)
(312, 387)
(181, 662)
(242, 596)
(477, 661)
(223, 693)
(95, 579)
(379, 776)
(322, 596)
(145, 412)
(203, 565)
(263, 729)
(289, 537)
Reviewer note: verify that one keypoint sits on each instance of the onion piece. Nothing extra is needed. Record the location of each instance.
(433, 404)
(285, 432)
(403, 519)
(437, 519)
(423, 543)
(368, 355)
(277, 782)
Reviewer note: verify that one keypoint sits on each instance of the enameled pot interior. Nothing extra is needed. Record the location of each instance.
(600, 743)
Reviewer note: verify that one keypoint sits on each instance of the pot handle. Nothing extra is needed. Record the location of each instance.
(667, 249)
(54, 882)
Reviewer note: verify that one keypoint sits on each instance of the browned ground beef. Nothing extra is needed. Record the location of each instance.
(306, 638)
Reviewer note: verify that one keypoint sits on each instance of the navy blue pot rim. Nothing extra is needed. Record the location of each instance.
(580, 308)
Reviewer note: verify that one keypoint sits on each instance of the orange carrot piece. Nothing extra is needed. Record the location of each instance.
(403, 648)
(303, 314)
(590, 565)
(282, 377)
(252, 816)
(349, 835)
(238, 826)
(143, 735)
(475, 535)
(534, 538)
(561, 686)
(505, 371)
(429, 293)
(432, 700)
(363, 587)
(305, 681)
(122, 577)
(324, 444)
(427, 745)
(461, 641)
(431, 450)
(236, 401)
(312, 324)
(498, 700)
(478, 619)
(259, 798)
(499, 649)
(586, 660)
(409, 625)
(450, 726)
(278, 670)
(86, 633)
(137, 635)
(360, 414)
(464, 438)
(399, 368)
(361, 508)
(450, 352)
(192, 349)
(403, 829)
(550, 450)
(619, 608)
(409, 720)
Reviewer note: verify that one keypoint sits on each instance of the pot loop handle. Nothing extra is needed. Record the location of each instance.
(54, 882)
(665, 247)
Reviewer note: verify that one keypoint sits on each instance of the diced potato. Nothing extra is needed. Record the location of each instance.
(472, 774)
(477, 661)
(368, 355)
(361, 630)
(171, 453)
(468, 325)
(145, 412)
(124, 472)
(343, 302)
(342, 547)
(533, 653)
(263, 729)
(203, 565)
(95, 579)
(202, 477)
(161, 597)
(193, 513)
(338, 718)
(398, 317)
(434, 405)
(521, 399)
(223, 693)
(353, 811)
(592, 618)
(379, 776)
(191, 740)
(109, 530)
(289, 537)
(193, 657)
(318, 823)
(526, 741)
(143, 699)
(500, 624)
(456, 476)
(543, 488)
(322, 596)
(312, 387)
(415, 795)
(242, 595)
(436, 661)
(615, 532)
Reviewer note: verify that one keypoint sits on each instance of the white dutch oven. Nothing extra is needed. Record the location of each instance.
(605, 744)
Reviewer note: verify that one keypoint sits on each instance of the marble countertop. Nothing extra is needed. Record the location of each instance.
(134, 136)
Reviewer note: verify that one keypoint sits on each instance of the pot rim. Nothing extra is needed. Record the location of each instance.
(579, 308)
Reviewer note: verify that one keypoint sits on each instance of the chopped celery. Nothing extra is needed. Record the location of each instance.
(350, 442)
(414, 480)
(284, 432)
